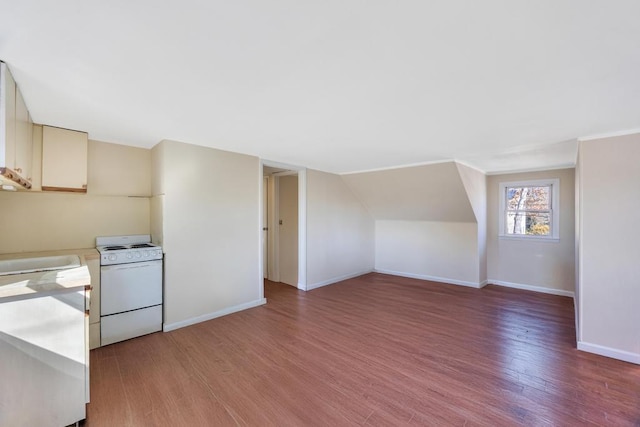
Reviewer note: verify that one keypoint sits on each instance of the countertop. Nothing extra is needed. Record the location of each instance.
(18, 286)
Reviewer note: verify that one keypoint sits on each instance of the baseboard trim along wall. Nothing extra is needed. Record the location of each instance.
(433, 278)
(625, 356)
(542, 289)
(192, 321)
(336, 280)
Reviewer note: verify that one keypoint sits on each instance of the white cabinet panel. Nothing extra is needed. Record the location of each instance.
(44, 360)
(94, 303)
(16, 130)
(120, 327)
(24, 139)
(94, 335)
(64, 160)
(7, 118)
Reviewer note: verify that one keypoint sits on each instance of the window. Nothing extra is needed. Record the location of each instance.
(530, 209)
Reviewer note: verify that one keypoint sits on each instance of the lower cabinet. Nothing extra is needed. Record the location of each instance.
(44, 359)
(94, 308)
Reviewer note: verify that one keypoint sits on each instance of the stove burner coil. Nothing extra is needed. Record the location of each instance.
(114, 248)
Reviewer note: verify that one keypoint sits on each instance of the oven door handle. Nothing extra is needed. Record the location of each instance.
(132, 265)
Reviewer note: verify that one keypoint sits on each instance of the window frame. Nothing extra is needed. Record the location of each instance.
(554, 189)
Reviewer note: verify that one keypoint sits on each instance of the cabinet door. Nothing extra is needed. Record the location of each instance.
(24, 142)
(44, 360)
(94, 303)
(8, 93)
(64, 160)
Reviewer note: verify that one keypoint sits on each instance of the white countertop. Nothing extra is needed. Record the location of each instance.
(45, 282)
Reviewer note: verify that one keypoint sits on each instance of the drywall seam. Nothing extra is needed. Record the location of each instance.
(609, 134)
(387, 168)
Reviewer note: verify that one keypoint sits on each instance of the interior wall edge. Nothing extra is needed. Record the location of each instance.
(337, 279)
(444, 280)
(534, 288)
(167, 327)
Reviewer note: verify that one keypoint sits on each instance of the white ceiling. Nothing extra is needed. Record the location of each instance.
(335, 85)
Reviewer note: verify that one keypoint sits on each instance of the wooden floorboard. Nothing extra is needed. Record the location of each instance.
(373, 350)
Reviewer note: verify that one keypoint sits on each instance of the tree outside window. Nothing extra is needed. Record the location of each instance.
(529, 209)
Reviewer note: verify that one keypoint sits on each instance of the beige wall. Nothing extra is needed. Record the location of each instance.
(210, 231)
(340, 231)
(158, 165)
(609, 249)
(118, 170)
(440, 251)
(41, 221)
(157, 219)
(475, 184)
(427, 220)
(31, 222)
(549, 266)
(576, 246)
(419, 193)
(288, 229)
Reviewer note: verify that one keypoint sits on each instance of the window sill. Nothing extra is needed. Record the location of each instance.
(530, 238)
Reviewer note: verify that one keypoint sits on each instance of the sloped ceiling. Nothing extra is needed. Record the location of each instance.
(335, 85)
(420, 193)
(475, 184)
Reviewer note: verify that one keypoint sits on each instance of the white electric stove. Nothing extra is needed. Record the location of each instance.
(130, 287)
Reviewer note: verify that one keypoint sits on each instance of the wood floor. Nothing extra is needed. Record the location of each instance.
(374, 350)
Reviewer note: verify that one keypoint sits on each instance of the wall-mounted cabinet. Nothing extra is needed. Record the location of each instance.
(16, 133)
(64, 160)
(24, 138)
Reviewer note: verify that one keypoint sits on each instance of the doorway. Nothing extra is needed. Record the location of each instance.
(283, 224)
(287, 228)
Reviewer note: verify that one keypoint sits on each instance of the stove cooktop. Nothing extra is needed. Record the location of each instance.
(111, 248)
(127, 249)
(121, 247)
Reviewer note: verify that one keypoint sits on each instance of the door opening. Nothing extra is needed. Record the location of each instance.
(265, 227)
(283, 225)
(287, 228)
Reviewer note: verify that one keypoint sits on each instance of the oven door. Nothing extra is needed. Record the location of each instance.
(125, 287)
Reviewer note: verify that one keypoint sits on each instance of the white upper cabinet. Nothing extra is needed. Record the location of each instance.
(16, 129)
(64, 160)
(24, 138)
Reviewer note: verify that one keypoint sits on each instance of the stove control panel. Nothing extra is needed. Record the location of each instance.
(125, 256)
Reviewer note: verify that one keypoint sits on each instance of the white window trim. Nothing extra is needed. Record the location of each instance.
(555, 209)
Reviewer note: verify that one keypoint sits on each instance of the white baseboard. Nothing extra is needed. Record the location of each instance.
(432, 278)
(542, 289)
(625, 356)
(336, 279)
(192, 321)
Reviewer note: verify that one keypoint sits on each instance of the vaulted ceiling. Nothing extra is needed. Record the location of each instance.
(336, 85)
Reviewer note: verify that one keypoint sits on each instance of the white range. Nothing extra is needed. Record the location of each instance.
(130, 287)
